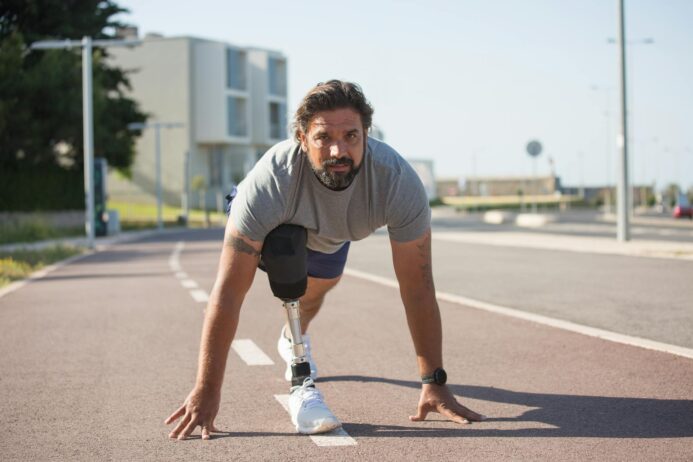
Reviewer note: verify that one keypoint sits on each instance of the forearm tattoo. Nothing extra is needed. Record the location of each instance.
(241, 246)
(425, 254)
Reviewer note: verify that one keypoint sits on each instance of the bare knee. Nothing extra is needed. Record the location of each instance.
(315, 293)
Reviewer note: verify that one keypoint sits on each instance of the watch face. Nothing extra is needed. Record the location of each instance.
(440, 376)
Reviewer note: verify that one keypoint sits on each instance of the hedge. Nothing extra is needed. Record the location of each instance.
(41, 190)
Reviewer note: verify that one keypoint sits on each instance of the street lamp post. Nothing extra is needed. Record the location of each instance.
(87, 112)
(623, 228)
(624, 195)
(157, 126)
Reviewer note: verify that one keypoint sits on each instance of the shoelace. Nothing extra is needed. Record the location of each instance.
(310, 396)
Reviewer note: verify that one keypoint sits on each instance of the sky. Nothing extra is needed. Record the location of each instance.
(468, 83)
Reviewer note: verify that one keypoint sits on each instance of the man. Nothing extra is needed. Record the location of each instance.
(336, 185)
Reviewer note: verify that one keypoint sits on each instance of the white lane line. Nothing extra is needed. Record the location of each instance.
(199, 295)
(250, 353)
(174, 259)
(537, 318)
(338, 437)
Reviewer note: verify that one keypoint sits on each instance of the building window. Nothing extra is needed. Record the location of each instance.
(237, 116)
(216, 166)
(235, 69)
(277, 77)
(277, 113)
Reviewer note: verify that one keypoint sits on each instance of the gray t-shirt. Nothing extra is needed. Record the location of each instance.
(282, 188)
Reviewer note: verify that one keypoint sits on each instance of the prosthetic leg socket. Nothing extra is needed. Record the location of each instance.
(284, 257)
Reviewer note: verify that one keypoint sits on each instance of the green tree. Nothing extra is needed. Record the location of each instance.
(41, 91)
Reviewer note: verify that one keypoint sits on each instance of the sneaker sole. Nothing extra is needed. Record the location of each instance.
(324, 427)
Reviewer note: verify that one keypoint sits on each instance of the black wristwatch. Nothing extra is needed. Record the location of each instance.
(439, 377)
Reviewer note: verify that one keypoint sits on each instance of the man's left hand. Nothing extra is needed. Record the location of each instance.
(438, 398)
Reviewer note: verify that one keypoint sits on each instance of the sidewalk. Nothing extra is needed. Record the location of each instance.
(536, 239)
(582, 244)
(100, 242)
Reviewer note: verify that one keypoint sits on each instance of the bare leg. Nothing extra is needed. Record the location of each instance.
(312, 299)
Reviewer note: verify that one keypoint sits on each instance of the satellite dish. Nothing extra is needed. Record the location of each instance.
(534, 148)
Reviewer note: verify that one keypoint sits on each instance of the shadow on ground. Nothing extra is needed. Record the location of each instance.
(569, 415)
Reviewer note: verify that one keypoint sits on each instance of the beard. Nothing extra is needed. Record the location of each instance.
(335, 181)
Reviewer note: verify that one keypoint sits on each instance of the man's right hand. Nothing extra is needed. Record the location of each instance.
(199, 409)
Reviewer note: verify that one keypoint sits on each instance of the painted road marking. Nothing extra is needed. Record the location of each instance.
(338, 437)
(199, 295)
(250, 353)
(537, 318)
(174, 259)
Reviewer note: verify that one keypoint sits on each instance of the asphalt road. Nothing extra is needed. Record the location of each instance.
(99, 352)
(643, 297)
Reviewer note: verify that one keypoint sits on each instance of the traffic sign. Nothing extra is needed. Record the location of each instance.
(534, 148)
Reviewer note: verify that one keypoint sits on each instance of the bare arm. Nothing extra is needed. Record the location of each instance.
(412, 262)
(237, 266)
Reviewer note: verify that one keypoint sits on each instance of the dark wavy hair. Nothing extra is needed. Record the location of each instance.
(327, 96)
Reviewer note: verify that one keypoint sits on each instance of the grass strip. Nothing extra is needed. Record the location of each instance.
(19, 264)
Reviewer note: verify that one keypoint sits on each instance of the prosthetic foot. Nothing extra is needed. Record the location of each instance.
(284, 258)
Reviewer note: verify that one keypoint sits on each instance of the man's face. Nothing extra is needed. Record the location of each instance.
(335, 144)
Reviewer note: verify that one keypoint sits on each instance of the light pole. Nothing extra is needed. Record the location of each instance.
(623, 228)
(631, 153)
(157, 126)
(87, 112)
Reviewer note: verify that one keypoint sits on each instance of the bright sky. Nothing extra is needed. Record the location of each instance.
(468, 83)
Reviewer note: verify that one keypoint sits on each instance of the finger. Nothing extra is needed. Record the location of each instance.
(189, 429)
(181, 425)
(469, 414)
(452, 415)
(421, 414)
(179, 412)
(205, 432)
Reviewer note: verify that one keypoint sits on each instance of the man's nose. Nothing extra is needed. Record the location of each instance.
(338, 149)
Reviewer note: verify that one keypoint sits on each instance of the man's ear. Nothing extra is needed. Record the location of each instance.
(304, 141)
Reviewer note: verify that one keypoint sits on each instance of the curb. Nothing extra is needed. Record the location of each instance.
(76, 242)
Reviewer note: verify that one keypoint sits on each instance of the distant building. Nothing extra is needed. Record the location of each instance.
(512, 186)
(448, 187)
(232, 101)
(606, 195)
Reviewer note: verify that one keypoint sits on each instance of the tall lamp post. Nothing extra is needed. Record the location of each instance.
(623, 227)
(624, 195)
(87, 112)
(157, 126)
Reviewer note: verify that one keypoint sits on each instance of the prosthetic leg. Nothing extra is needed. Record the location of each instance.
(284, 258)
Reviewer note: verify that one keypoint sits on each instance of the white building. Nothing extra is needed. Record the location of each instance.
(232, 102)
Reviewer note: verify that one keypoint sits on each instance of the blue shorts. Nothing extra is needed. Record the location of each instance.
(320, 265)
(327, 265)
(323, 265)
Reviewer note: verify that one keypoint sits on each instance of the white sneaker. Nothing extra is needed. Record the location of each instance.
(284, 349)
(309, 412)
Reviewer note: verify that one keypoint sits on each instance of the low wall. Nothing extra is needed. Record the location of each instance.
(60, 219)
